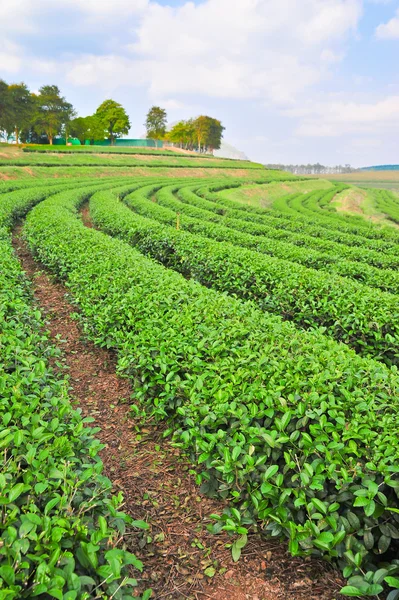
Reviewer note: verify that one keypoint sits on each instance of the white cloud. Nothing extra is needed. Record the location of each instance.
(330, 20)
(251, 49)
(330, 57)
(13, 57)
(337, 118)
(15, 16)
(261, 49)
(103, 71)
(120, 8)
(10, 57)
(390, 30)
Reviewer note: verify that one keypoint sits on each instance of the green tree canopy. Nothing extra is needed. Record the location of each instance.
(203, 133)
(78, 129)
(52, 112)
(87, 128)
(4, 106)
(21, 108)
(183, 133)
(113, 118)
(155, 123)
(214, 134)
(209, 132)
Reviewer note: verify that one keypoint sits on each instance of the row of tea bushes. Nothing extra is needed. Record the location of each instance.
(296, 430)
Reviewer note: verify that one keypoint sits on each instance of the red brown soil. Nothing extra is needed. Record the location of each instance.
(158, 483)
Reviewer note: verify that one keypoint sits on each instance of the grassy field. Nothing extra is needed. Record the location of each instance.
(252, 316)
(370, 179)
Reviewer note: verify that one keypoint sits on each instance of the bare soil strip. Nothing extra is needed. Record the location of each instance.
(351, 201)
(179, 554)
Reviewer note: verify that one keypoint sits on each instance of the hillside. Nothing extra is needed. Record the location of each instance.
(229, 330)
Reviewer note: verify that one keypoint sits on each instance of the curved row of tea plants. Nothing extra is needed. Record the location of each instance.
(387, 203)
(296, 430)
(291, 231)
(84, 149)
(170, 161)
(358, 315)
(60, 526)
(340, 229)
(312, 252)
(384, 279)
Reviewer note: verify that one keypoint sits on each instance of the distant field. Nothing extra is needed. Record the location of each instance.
(378, 179)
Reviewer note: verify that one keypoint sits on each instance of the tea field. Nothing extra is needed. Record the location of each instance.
(253, 317)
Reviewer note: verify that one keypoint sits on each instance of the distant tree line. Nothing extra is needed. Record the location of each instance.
(203, 134)
(316, 169)
(40, 118)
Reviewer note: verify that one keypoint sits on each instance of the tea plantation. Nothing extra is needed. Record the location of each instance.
(265, 338)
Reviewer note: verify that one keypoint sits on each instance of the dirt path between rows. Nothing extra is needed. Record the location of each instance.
(178, 552)
(351, 201)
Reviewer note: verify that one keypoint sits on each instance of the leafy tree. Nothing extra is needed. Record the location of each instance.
(113, 118)
(209, 133)
(87, 128)
(53, 111)
(155, 123)
(201, 126)
(29, 135)
(78, 129)
(214, 134)
(4, 106)
(21, 109)
(183, 133)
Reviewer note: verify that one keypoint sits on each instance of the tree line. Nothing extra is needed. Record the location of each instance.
(315, 169)
(203, 134)
(41, 117)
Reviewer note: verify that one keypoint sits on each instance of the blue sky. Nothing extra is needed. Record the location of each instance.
(292, 81)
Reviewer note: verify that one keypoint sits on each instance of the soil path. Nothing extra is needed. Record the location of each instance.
(178, 552)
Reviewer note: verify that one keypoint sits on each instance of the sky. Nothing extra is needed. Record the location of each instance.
(293, 81)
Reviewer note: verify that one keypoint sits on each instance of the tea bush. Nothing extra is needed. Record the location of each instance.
(60, 525)
(296, 430)
(364, 318)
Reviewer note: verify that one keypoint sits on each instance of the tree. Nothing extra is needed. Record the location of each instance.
(78, 129)
(215, 134)
(95, 129)
(21, 109)
(155, 123)
(201, 125)
(4, 106)
(209, 132)
(53, 112)
(183, 133)
(87, 128)
(113, 118)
